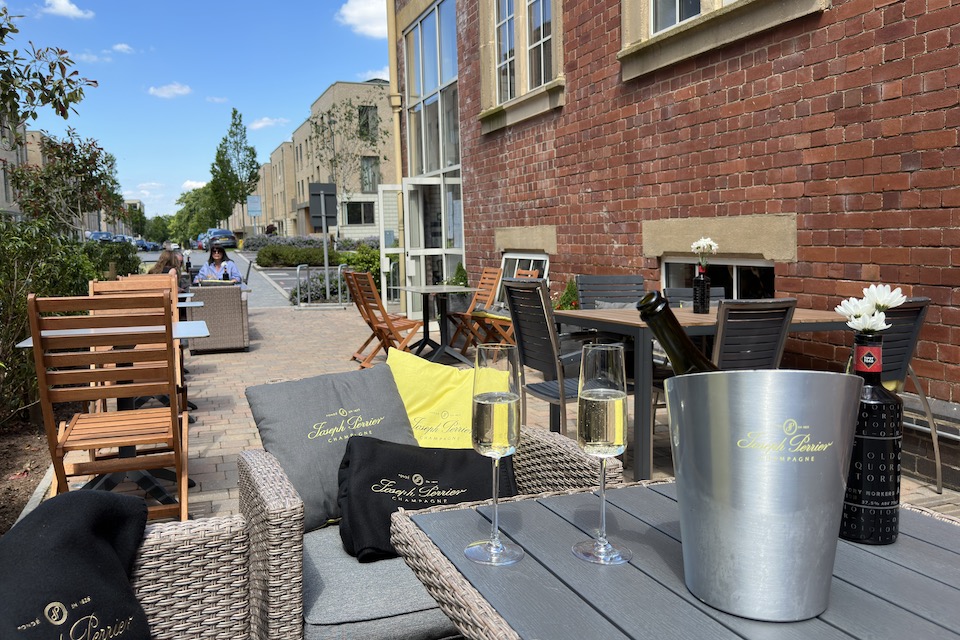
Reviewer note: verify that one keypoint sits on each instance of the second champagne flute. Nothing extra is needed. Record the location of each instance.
(496, 433)
(601, 432)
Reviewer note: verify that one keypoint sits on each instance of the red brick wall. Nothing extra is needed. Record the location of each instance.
(848, 118)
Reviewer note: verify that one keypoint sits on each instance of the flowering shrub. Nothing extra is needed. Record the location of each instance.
(257, 242)
(866, 315)
(567, 299)
(351, 244)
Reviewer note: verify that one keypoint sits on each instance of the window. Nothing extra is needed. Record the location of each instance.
(360, 213)
(539, 39)
(512, 261)
(369, 174)
(740, 278)
(658, 33)
(521, 57)
(667, 13)
(369, 122)
(433, 127)
(506, 83)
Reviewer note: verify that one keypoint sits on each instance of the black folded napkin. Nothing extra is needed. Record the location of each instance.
(378, 477)
(65, 569)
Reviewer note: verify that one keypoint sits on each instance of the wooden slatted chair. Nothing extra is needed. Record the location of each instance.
(146, 283)
(752, 334)
(496, 327)
(393, 332)
(360, 354)
(96, 349)
(468, 326)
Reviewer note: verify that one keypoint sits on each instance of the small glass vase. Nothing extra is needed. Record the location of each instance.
(701, 291)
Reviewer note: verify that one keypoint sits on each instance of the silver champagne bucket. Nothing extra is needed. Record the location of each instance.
(761, 461)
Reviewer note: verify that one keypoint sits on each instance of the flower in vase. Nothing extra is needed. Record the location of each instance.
(866, 315)
(702, 247)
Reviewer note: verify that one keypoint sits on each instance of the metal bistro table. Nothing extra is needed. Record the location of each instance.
(627, 323)
(909, 589)
(440, 292)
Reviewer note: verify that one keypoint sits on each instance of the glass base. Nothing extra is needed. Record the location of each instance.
(485, 552)
(593, 551)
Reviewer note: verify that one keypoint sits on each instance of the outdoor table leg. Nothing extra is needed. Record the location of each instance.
(444, 346)
(425, 341)
(643, 379)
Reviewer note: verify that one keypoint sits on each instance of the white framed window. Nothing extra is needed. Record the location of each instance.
(741, 279)
(512, 261)
(506, 52)
(539, 43)
(667, 13)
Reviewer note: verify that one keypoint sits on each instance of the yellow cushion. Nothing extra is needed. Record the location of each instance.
(438, 399)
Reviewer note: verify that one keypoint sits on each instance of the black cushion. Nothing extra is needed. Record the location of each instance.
(377, 478)
(65, 569)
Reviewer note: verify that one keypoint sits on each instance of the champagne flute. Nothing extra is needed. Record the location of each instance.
(601, 432)
(496, 433)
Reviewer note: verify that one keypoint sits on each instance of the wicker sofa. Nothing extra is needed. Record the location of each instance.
(280, 576)
(225, 312)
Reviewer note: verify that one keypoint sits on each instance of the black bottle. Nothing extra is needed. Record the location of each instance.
(226, 274)
(684, 355)
(871, 506)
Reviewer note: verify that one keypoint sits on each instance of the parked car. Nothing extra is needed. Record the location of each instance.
(142, 245)
(223, 238)
(153, 246)
(101, 236)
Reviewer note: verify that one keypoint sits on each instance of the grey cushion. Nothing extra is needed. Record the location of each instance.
(306, 424)
(604, 304)
(343, 598)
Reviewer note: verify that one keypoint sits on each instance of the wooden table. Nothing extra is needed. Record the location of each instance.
(627, 322)
(440, 292)
(910, 589)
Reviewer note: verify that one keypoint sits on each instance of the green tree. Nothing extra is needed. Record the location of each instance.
(345, 134)
(235, 171)
(77, 176)
(42, 78)
(138, 220)
(158, 228)
(198, 212)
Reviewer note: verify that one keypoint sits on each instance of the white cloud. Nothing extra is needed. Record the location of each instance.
(263, 123)
(383, 74)
(65, 8)
(122, 47)
(90, 58)
(190, 185)
(172, 90)
(365, 17)
(148, 187)
(216, 99)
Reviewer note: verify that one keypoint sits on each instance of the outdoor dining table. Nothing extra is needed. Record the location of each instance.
(441, 292)
(181, 331)
(627, 322)
(909, 589)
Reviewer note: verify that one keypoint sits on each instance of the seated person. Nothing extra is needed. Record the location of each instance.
(217, 265)
(167, 262)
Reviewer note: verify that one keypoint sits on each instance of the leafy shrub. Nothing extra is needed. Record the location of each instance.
(567, 299)
(363, 259)
(122, 254)
(459, 277)
(315, 290)
(35, 260)
(287, 256)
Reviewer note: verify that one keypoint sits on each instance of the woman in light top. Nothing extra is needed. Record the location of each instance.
(169, 261)
(217, 265)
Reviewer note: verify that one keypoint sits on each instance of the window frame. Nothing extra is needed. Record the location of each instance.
(720, 22)
(737, 264)
(369, 167)
(528, 101)
(365, 206)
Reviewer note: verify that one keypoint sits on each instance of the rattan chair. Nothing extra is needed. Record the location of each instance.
(225, 312)
(544, 461)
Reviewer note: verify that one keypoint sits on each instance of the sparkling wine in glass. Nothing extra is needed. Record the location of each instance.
(496, 433)
(601, 432)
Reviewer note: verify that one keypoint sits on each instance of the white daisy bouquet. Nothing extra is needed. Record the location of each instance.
(702, 247)
(866, 314)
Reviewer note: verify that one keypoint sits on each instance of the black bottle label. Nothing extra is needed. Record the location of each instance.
(872, 502)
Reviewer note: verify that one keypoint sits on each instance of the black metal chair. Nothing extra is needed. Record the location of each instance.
(752, 334)
(623, 290)
(899, 345)
(538, 343)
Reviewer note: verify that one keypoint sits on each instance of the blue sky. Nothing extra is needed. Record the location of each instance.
(170, 72)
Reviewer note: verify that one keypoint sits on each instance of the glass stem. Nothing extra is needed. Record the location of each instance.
(602, 536)
(495, 525)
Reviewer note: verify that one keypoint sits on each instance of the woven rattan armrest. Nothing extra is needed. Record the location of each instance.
(274, 513)
(191, 578)
(548, 461)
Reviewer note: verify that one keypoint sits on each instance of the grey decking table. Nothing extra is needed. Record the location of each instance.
(910, 589)
(627, 322)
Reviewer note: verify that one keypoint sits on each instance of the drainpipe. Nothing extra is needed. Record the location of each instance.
(396, 104)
